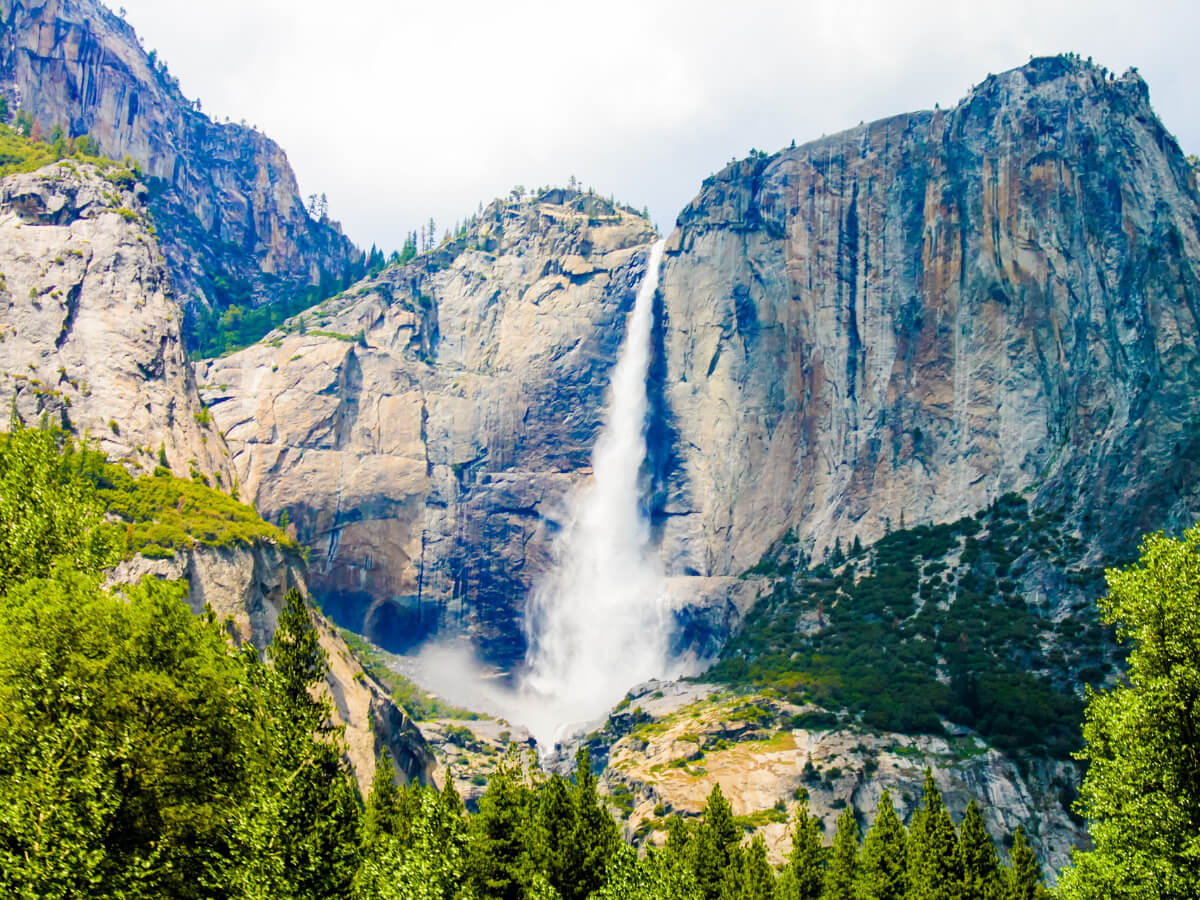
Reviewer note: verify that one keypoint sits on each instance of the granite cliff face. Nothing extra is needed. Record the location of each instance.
(224, 196)
(916, 316)
(90, 328)
(901, 322)
(422, 429)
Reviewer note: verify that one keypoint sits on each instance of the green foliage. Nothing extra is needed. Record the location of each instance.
(1141, 793)
(659, 876)
(159, 513)
(883, 865)
(840, 874)
(51, 513)
(933, 630)
(165, 513)
(297, 833)
(235, 322)
(804, 873)
(714, 844)
(750, 877)
(1025, 875)
(501, 856)
(20, 153)
(120, 750)
(977, 858)
(934, 867)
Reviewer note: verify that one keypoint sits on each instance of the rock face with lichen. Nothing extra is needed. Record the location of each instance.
(422, 429)
(921, 314)
(233, 226)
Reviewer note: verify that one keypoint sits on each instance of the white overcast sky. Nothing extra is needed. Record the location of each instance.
(401, 111)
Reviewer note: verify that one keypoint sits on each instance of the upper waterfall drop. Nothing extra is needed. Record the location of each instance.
(597, 623)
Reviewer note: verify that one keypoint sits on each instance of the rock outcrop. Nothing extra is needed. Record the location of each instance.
(90, 328)
(422, 429)
(90, 340)
(224, 196)
(689, 737)
(921, 314)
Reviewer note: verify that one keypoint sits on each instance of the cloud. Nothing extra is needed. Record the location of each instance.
(401, 111)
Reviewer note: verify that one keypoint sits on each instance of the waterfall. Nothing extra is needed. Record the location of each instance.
(596, 623)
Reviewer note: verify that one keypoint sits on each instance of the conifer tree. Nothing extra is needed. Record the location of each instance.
(977, 857)
(558, 852)
(838, 883)
(302, 830)
(382, 813)
(802, 876)
(934, 872)
(500, 860)
(1024, 872)
(595, 835)
(714, 846)
(883, 865)
(751, 876)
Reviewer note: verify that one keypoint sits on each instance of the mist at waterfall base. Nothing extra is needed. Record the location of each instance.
(598, 622)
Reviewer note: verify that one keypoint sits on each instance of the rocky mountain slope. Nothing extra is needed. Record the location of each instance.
(91, 330)
(671, 742)
(421, 429)
(922, 314)
(908, 319)
(232, 223)
(91, 341)
(927, 319)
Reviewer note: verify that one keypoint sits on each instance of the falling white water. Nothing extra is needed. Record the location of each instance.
(597, 622)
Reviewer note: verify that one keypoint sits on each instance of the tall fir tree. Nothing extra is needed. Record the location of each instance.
(500, 862)
(934, 872)
(1024, 872)
(595, 837)
(558, 853)
(751, 876)
(977, 857)
(804, 872)
(714, 847)
(304, 820)
(840, 873)
(883, 865)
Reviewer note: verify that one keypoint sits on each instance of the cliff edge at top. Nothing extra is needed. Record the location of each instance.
(231, 221)
(919, 315)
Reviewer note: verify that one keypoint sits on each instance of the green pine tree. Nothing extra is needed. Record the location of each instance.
(595, 838)
(714, 846)
(500, 859)
(804, 872)
(977, 857)
(883, 865)
(934, 872)
(1024, 872)
(751, 877)
(558, 853)
(301, 829)
(840, 873)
